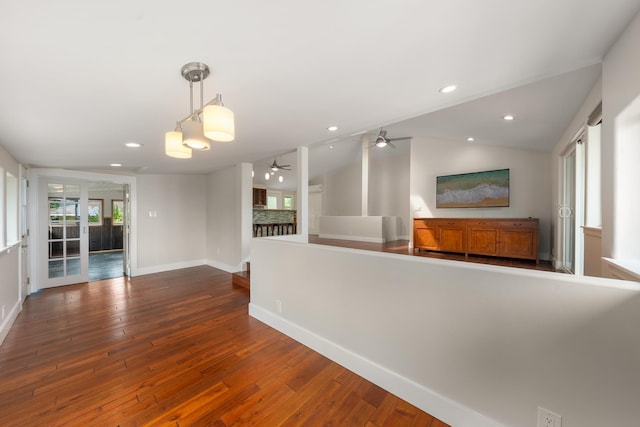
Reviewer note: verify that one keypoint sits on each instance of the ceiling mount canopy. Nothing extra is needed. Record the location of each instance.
(212, 121)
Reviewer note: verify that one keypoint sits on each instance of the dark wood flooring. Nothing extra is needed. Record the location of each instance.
(402, 247)
(175, 348)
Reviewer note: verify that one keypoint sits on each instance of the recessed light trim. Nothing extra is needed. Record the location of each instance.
(508, 117)
(133, 144)
(332, 128)
(115, 165)
(470, 139)
(448, 89)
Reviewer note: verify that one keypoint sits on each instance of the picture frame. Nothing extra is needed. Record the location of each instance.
(486, 189)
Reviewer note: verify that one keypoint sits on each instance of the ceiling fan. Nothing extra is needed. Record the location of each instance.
(382, 140)
(276, 167)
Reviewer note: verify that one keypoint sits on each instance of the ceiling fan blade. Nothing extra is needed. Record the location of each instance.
(390, 144)
(284, 166)
(400, 139)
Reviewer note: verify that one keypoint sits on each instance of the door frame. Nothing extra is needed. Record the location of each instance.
(578, 210)
(34, 240)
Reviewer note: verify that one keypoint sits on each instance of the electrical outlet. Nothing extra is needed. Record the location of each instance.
(279, 306)
(3, 312)
(546, 418)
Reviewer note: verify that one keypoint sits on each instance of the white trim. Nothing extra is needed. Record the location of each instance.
(355, 238)
(592, 231)
(167, 267)
(623, 269)
(5, 327)
(229, 268)
(435, 404)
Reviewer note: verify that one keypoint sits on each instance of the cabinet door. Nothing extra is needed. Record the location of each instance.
(426, 237)
(452, 237)
(482, 241)
(517, 244)
(259, 196)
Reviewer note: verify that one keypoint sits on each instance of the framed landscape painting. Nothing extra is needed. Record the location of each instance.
(473, 190)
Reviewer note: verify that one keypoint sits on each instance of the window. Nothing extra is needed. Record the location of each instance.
(117, 212)
(288, 202)
(272, 202)
(95, 211)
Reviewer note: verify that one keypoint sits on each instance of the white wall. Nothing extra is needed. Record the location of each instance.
(223, 213)
(171, 222)
(621, 88)
(389, 190)
(530, 185)
(342, 191)
(9, 261)
(474, 345)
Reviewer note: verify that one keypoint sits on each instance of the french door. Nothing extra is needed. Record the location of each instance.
(126, 231)
(64, 246)
(571, 209)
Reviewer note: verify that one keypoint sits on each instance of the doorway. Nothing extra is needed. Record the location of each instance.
(63, 221)
(106, 230)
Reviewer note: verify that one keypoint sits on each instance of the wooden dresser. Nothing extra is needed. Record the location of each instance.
(502, 237)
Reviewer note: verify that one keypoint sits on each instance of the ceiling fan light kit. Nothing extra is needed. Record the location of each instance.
(382, 140)
(212, 121)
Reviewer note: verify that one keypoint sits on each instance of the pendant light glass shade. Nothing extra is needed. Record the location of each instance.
(218, 123)
(173, 146)
(192, 136)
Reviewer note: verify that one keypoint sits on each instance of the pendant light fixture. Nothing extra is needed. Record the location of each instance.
(212, 121)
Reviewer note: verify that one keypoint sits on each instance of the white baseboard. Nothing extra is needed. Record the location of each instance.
(225, 267)
(167, 267)
(439, 406)
(355, 238)
(9, 319)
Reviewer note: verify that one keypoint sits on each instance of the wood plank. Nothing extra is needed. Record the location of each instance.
(175, 348)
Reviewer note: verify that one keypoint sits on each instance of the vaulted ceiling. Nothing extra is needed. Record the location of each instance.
(81, 78)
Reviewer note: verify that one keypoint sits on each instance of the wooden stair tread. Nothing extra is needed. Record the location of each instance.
(242, 279)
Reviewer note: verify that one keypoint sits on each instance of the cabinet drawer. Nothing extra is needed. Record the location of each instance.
(482, 223)
(523, 224)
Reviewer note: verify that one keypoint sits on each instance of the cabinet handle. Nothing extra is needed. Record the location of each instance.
(517, 225)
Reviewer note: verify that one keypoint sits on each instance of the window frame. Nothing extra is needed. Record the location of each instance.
(100, 212)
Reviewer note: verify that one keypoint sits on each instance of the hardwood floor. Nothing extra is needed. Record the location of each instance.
(175, 348)
(402, 247)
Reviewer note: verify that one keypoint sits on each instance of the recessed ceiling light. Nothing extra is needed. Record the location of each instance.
(133, 144)
(508, 117)
(332, 128)
(331, 147)
(448, 89)
(280, 179)
(116, 165)
(470, 139)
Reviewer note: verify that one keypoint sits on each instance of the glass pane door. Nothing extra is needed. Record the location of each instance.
(567, 213)
(65, 216)
(126, 231)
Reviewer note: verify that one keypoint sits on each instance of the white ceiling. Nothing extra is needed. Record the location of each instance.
(80, 78)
